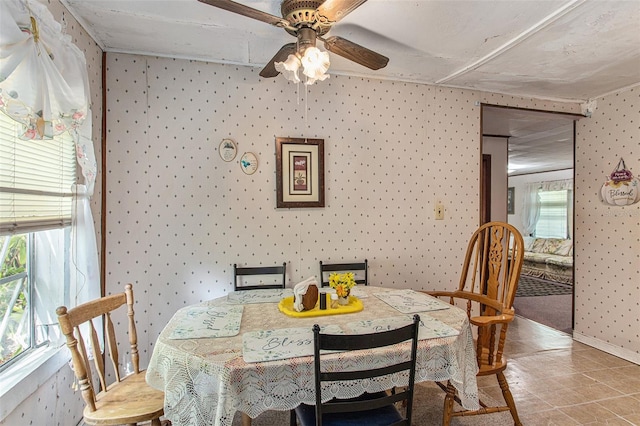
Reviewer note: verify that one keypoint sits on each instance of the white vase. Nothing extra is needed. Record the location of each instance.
(343, 300)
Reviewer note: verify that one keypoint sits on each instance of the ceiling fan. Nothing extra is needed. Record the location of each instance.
(308, 20)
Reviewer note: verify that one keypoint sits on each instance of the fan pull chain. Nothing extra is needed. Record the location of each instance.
(306, 106)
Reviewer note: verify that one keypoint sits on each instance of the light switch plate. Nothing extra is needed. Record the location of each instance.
(439, 210)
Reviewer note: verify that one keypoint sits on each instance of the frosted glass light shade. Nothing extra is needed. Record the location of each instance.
(315, 64)
(289, 68)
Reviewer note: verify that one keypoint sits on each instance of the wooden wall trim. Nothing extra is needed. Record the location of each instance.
(103, 201)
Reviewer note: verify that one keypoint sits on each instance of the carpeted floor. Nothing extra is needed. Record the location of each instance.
(553, 311)
(545, 302)
(531, 286)
(427, 411)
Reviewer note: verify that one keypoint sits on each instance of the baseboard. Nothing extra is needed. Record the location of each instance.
(623, 353)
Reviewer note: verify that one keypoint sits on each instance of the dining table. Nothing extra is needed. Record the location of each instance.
(250, 351)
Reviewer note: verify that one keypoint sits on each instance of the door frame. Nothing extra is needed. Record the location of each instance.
(485, 187)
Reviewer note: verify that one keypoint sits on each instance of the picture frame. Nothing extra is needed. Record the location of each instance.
(299, 172)
(511, 193)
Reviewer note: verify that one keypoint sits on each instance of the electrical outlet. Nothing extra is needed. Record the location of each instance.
(439, 210)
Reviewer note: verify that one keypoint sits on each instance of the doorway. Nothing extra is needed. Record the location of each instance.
(526, 147)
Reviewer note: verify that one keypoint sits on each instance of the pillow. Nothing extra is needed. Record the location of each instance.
(539, 245)
(561, 247)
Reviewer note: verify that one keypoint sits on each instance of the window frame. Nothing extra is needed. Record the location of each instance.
(6, 280)
(21, 376)
(49, 280)
(44, 268)
(548, 227)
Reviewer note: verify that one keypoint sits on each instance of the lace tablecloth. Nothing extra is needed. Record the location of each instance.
(206, 380)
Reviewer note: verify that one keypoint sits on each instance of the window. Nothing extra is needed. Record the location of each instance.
(554, 218)
(35, 216)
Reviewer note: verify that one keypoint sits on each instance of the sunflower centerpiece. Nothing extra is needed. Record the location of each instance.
(342, 283)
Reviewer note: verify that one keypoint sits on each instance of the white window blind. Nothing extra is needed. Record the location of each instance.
(553, 221)
(36, 177)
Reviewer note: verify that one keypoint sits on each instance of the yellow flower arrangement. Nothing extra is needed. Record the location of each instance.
(342, 283)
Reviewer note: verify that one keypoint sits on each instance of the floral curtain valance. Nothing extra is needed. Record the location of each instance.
(557, 185)
(43, 75)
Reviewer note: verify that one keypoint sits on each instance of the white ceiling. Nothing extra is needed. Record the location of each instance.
(537, 141)
(553, 49)
(573, 50)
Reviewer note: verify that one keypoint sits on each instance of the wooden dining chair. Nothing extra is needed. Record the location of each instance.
(487, 288)
(327, 268)
(370, 409)
(276, 277)
(127, 399)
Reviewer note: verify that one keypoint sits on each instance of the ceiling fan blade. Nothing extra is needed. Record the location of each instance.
(250, 12)
(335, 10)
(270, 69)
(355, 52)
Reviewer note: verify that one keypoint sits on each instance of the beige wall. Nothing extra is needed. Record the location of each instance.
(497, 149)
(178, 216)
(607, 242)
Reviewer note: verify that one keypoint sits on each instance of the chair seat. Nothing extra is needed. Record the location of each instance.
(485, 369)
(130, 401)
(496, 367)
(383, 416)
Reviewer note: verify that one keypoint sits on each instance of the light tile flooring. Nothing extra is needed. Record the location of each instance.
(557, 381)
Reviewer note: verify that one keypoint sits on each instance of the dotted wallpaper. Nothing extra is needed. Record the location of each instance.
(607, 244)
(178, 216)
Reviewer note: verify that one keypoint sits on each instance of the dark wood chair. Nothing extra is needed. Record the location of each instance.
(487, 289)
(276, 276)
(128, 399)
(369, 409)
(327, 268)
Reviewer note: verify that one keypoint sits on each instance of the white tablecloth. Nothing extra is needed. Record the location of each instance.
(206, 380)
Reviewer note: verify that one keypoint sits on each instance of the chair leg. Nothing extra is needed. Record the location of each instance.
(508, 397)
(246, 420)
(293, 421)
(448, 404)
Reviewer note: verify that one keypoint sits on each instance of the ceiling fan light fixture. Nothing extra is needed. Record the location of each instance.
(315, 64)
(289, 68)
(308, 20)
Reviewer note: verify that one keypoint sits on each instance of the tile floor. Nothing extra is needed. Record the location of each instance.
(557, 381)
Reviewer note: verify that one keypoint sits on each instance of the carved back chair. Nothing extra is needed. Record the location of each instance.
(327, 268)
(276, 274)
(487, 289)
(127, 399)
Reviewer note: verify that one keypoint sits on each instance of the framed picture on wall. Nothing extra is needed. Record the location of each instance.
(300, 172)
(511, 193)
